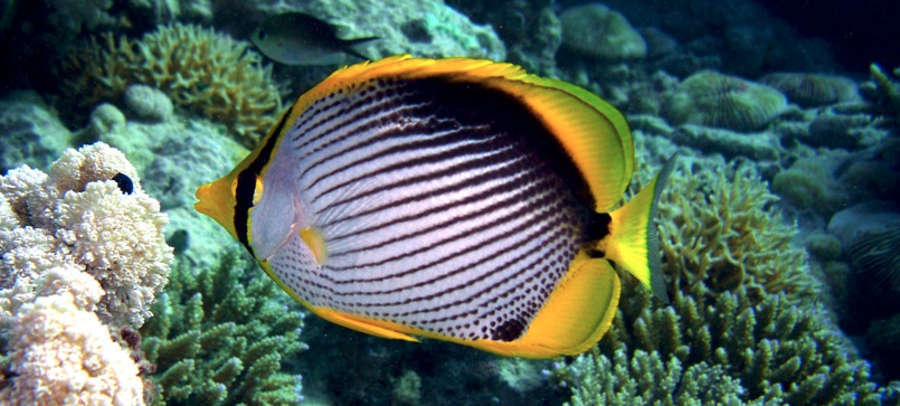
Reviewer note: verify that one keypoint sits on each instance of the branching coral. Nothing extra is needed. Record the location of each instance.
(749, 350)
(602, 380)
(220, 339)
(201, 70)
(721, 228)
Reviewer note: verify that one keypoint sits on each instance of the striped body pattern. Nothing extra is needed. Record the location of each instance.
(444, 207)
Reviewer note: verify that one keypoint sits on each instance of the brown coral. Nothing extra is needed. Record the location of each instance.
(201, 70)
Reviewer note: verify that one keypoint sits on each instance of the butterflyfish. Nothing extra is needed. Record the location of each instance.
(300, 39)
(456, 199)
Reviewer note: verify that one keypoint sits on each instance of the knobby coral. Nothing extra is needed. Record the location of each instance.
(220, 338)
(201, 70)
(62, 354)
(80, 215)
(82, 251)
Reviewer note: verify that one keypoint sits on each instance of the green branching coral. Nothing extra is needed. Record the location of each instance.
(722, 229)
(737, 347)
(601, 380)
(219, 338)
(201, 70)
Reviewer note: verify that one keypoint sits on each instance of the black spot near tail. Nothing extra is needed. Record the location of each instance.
(508, 331)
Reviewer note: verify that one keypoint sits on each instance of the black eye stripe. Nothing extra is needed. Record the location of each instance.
(246, 183)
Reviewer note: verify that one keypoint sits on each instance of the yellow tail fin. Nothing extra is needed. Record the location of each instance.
(633, 242)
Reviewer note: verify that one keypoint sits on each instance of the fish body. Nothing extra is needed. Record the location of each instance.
(456, 199)
(300, 39)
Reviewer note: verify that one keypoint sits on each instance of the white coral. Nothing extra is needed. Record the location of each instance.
(118, 238)
(75, 250)
(64, 355)
(78, 215)
(90, 163)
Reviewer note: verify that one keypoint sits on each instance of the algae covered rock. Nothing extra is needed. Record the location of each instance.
(717, 100)
(32, 133)
(427, 28)
(812, 89)
(597, 31)
(810, 183)
(148, 103)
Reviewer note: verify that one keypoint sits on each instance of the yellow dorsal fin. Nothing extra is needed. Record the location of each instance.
(592, 132)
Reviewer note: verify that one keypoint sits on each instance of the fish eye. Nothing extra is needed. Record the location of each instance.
(262, 34)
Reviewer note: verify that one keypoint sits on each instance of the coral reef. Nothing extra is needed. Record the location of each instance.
(221, 336)
(82, 256)
(759, 147)
(717, 100)
(811, 183)
(811, 89)
(741, 36)
(722, 229)
(730, 336)
(598, 32)
(530, 29)
(201, 70)
(79, 215)
(731, 348)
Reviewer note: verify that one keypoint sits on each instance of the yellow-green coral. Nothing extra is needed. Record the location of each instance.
(201, 70)
(720, 227)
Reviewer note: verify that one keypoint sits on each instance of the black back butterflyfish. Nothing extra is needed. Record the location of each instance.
(457, 199)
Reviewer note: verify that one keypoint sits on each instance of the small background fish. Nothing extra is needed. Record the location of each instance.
(301, 39)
